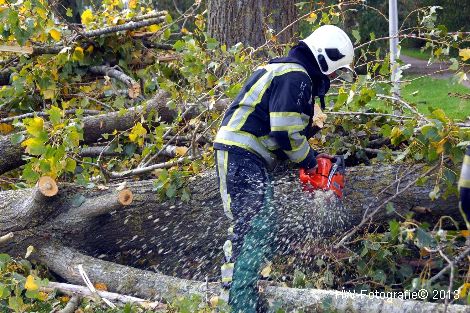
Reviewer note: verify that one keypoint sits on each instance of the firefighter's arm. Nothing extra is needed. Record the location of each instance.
(464, 188)
(289, 101)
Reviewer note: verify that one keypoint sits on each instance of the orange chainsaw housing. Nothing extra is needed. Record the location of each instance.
(319, 179)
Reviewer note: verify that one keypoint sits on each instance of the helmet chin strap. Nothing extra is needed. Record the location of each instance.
(323, 85)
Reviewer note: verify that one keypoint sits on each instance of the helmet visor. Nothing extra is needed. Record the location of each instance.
(344, 74)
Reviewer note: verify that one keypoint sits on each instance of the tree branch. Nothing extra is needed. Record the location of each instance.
(32, 114)
(85, 292)
(124, 27)
(134, 87)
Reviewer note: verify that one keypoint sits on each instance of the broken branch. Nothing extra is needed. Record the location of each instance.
(85, 292)
(134, 87)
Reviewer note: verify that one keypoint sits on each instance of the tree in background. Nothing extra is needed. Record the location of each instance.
(250, 21)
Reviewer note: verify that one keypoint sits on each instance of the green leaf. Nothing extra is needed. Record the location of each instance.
(299, 280)
(394, 227)
(69, 12)
(34, 126)
(357, 35)
(385, 68)
(29, 174)
(423, 239)
(390, 208)
(16, 304)
(186, 195)
(70, 165)
(55, 115)
(17, 138)
(171, 191)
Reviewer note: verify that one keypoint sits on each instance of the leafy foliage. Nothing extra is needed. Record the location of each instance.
(201, 71)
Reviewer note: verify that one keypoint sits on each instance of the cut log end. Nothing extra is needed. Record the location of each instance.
(125, 197)
(47, 186)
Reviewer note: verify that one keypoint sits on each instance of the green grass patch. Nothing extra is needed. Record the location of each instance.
(432, 92)
(415, 53)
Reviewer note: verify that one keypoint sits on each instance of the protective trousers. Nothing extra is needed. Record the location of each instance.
(246, 192)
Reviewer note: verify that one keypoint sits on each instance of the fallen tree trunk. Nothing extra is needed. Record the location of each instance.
(155, 286)
(131, 225)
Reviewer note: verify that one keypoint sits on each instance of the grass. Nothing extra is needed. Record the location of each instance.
(415, 53)
(432, 92)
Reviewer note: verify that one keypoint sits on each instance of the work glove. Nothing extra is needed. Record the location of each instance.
(313, 170)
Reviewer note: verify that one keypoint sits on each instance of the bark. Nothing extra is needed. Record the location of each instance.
(150, 233)
(233, 21)
(150, 285)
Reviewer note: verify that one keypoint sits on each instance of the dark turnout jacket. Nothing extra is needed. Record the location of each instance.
(271, 117)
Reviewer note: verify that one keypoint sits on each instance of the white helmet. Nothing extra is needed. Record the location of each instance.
(332, 49)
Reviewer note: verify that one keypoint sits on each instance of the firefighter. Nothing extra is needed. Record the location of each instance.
(270, 120)
(464, 189)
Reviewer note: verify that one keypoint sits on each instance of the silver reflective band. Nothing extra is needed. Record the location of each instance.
(300, 154)
(245, 140)
(296, 140)
(222, 168)
(286, 122)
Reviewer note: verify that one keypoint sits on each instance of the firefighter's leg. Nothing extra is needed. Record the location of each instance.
(255, 247)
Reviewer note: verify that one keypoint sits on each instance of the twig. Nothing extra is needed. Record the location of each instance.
(407, 105)
(451, 279)
(459, 258)
(72, 305)
(372, 214)
(143, 170)
(32, 114)
(368, 114)
(90, 286)
(83, 291)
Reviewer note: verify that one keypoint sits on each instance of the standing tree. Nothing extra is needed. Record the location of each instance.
(249, 21)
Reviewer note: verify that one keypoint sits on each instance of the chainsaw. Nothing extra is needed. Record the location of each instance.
(328, 175)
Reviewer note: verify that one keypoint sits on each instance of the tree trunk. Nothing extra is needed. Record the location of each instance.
(246, 21)
(155, 286)
(132, 226)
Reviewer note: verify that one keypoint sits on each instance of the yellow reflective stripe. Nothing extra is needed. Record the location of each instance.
(229, 136)
(222, 166)
(255, 94)
(464, 183)
(227, 272)
(465, 173)
(299, 154)
(466, 160)
(288, 121)
(464, 216)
